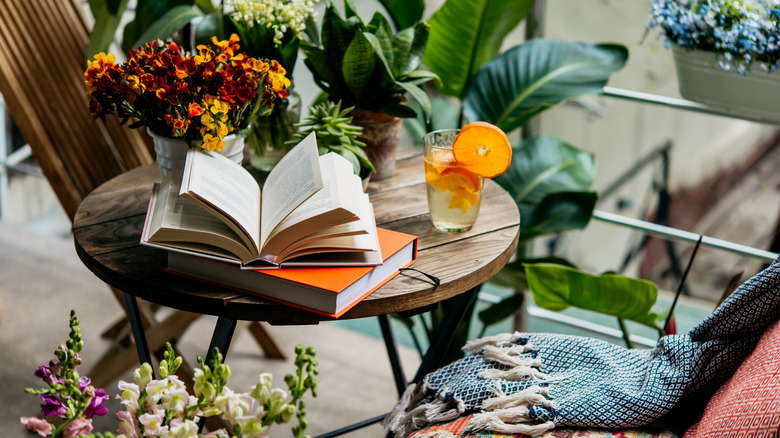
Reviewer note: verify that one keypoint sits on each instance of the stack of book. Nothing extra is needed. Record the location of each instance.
(308, 238)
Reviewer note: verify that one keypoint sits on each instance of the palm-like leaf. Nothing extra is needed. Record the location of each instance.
(467, 33)
(533, 76)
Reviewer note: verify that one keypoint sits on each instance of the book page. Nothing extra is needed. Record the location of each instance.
(175, 219)
(225, 189)
(293, 180)
(341, 200)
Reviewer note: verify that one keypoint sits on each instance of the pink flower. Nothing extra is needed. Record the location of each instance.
(39, 425)
(79, 426)
(127, 424)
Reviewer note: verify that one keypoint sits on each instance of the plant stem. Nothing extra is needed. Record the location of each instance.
(626, 334)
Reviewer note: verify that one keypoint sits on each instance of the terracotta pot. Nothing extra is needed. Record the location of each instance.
(381, 134)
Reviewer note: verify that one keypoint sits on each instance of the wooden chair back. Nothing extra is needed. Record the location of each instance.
(42, 62)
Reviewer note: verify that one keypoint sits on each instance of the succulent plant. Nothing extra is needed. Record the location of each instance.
(335, 133)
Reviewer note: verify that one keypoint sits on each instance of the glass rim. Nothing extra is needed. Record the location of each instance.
(427, 142)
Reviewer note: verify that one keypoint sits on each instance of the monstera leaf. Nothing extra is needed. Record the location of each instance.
(531, 77)
(467, 33)
(557, 287)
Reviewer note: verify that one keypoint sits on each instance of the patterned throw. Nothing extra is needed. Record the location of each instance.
(531, 382)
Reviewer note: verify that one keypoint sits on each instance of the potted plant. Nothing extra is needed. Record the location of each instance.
(185, 100)
(724, 51)
(335, 133)
(269, 29)
(369, 67)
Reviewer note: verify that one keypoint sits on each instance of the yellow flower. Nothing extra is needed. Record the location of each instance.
(208, 121)
(135, 84)
(211, 143)
(219, 107)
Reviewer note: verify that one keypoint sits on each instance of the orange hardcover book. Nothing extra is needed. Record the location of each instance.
(329, 291)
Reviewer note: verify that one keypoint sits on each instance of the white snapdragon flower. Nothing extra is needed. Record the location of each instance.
(183, 428)
(280, 15)
(129, 395)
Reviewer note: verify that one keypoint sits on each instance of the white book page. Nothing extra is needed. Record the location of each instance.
(293, 180)
(227, 188)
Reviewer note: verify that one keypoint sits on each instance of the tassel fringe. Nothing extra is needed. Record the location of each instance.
(496, 340)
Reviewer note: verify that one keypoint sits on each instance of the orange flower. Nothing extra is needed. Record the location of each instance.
(194, 109)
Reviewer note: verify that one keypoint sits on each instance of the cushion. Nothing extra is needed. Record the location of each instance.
(456, 429)
(748, 404)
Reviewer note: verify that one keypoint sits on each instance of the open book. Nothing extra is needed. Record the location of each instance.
(312, 211)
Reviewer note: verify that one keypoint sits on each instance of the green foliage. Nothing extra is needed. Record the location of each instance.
(557, 287)
(465, 35)
(107, 14)
(529, 78)
(367, 65)
(335, 133)
(404, 13)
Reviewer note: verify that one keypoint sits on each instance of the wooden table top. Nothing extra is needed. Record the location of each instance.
(108, 223)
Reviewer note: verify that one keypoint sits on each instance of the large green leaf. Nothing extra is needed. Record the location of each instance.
(467, 33)
(544, 165)
(404, 13)
(443, 116)
(513, 273)
(557, 287)
(168, 24)
(358, 64)
(408, 49)
(533, 76)
(556, 213)
(107, 15)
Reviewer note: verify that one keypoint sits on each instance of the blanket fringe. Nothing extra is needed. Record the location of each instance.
(531, 396)
(501, 339)
(402, 421)
(526, 368)
(510, 414)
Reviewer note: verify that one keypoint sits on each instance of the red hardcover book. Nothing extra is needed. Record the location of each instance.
(329, 291)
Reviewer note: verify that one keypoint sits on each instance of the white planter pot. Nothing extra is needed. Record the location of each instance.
(753, 96)
(171, 152)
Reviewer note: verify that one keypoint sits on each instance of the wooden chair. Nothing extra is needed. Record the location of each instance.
(42, 62)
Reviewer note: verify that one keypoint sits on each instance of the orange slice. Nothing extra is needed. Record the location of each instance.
(457, 180)
(483, 148)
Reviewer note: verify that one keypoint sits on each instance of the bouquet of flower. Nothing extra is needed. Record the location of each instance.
(199, 98)
(273, 26)
(740, 32)
(163, 407)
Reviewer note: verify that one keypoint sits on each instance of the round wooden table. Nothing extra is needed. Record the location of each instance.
(107, 229)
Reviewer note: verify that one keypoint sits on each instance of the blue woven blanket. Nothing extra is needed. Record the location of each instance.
(532, 382)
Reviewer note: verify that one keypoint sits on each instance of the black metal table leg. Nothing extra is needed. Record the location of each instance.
(454, 312)
(392, 353)
(223, 334)
(137, 326)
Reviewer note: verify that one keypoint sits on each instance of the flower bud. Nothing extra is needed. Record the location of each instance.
(143, 375)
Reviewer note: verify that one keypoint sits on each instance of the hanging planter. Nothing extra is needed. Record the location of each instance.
(752, 95)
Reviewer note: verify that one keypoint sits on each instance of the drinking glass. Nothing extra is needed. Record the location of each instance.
(454, 192)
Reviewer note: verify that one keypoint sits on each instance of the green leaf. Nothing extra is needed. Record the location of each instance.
(404, 13)
(544, 165)
(420, 96)
(337, 35)
(557, 287)
(513, 273)
(533, 76)
(467, 33)
(106, 24)
(206, 6)
(502, 310)
(168, 24)
(443, 116)
(406, 50)
(358, 64)
(556, 213)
